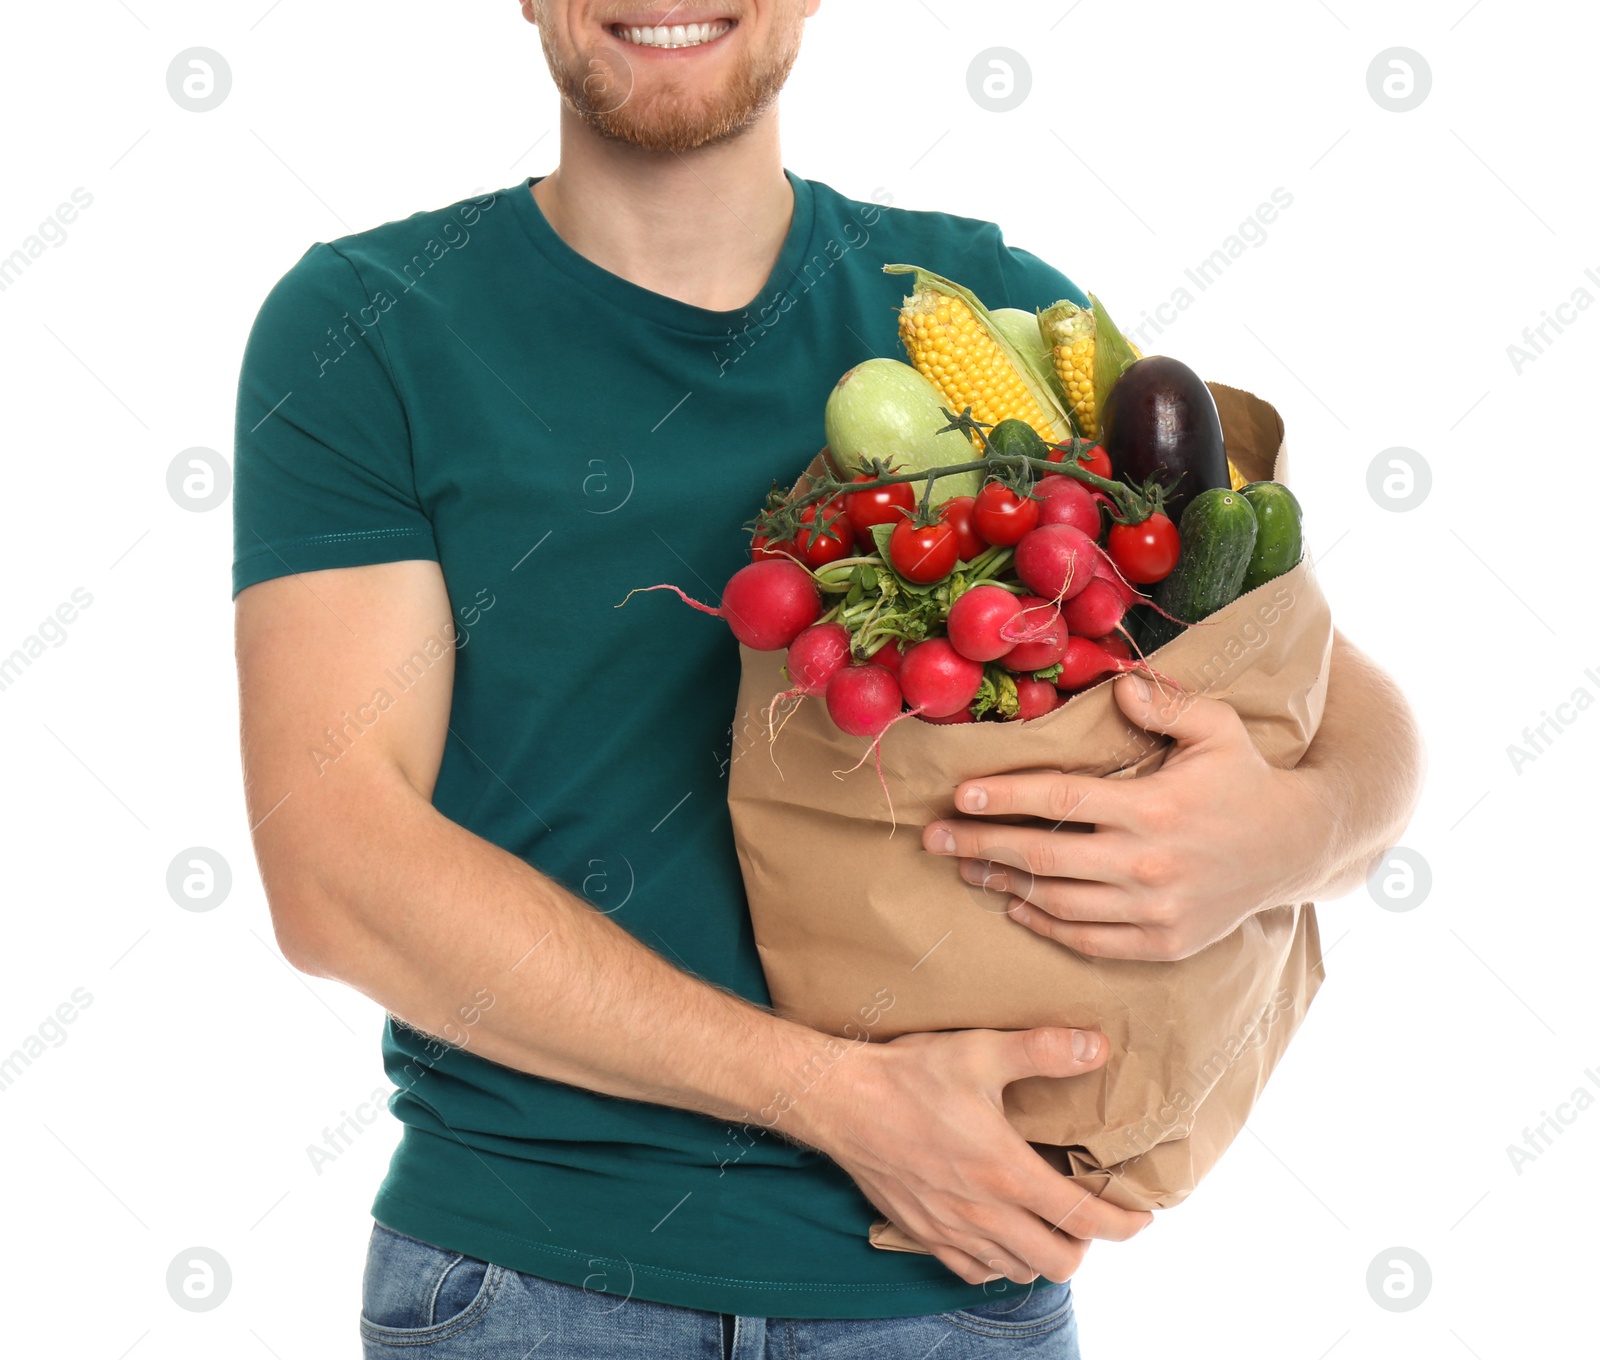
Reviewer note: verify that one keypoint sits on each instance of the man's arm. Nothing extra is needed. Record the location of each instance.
(369, 884)
(1180, 857)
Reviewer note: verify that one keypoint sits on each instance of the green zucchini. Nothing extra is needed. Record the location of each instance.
(1278, 536)
(1216, 536)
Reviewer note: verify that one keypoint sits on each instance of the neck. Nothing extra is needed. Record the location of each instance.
(705, 227)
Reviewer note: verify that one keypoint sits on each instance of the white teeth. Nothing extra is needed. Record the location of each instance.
(678, 35)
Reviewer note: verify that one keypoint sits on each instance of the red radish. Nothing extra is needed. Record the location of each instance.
(815, 655)
(889, 656)
(1117, 645)
(937, 679)
(766, 604)
(1056, 560)
(1066, 500)
(1035, 698)
(976, 619)
(1043, 634)
(862, 700)
(1107, 570)
(1095, 611)
(1086, 660)
(961, 715)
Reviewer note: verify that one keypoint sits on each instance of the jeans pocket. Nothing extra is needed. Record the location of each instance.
(413, 1292)
(1035, 1310)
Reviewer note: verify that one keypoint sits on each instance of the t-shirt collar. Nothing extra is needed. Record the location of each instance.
(641, 302)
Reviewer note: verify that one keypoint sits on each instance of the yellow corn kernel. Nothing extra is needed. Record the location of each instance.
(952, 349)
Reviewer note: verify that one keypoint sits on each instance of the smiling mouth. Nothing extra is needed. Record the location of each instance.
(671, 35)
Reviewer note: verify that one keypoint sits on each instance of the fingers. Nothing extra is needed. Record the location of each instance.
(1069, 899)
(985, 1267)
(1052, 795)
(1044, 1051)
(1069, 1208)
(1036, 850)
(1190, 719)
(1097, 940)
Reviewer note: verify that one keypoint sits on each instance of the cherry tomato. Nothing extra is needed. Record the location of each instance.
(1002, 516)
(881, 505)
(1145, 552)
(762, 548)
(923, 553)
(826, 537)
(1096, 460)
(958, 515)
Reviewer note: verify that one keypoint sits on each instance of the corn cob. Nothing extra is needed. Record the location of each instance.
(1073, 335)
(953, 341)
(1236, 479)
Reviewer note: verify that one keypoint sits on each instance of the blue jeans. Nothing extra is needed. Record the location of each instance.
(421, 1301)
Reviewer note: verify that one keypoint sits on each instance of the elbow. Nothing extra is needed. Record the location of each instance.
(305, 926)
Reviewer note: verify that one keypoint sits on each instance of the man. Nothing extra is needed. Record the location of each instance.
(495, 803)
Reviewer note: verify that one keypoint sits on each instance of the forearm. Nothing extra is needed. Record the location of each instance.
(464, 941)
(1363, 770)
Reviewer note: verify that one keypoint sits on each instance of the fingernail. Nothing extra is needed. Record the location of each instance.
(1142, 686)
(975, 799)
(1020, 912)
(941, 842)
(1084, 1044)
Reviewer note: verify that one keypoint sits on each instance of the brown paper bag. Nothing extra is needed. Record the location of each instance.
(865, 935)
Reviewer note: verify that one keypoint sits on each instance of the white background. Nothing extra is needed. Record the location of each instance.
(1377, 313)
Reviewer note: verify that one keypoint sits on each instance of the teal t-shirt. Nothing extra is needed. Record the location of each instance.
(462, 386)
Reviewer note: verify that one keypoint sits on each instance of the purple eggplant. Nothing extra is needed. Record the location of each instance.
(1160, 421)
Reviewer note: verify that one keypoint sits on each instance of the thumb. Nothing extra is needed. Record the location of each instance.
(1051, 1051)
(1189, 719)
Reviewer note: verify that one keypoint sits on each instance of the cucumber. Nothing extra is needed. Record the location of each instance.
(1278, 536)
(1013, 438)
(1217, 535)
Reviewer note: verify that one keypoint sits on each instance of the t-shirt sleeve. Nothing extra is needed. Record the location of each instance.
(1031, 284)
(322, 467)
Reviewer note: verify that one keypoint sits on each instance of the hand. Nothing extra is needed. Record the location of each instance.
(1176, 859)
(920, 1127)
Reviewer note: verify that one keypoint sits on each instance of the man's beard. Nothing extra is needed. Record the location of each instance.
(599, 88)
